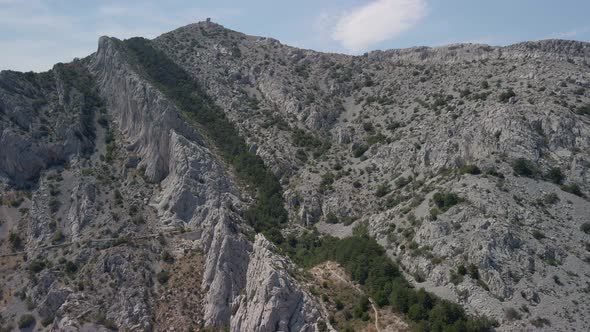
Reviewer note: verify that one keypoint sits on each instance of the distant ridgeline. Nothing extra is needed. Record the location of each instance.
(360, 255)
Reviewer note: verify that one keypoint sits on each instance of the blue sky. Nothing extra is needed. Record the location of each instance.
(35, 34)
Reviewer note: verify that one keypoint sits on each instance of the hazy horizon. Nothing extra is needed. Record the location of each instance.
(39, 33)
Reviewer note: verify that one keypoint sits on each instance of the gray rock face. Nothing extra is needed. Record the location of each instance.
(143, 115)
(82, 210)
(271, 300)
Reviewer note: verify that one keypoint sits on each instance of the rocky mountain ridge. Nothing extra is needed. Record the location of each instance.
(468, 163)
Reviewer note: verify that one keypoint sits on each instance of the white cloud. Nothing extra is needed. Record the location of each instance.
(377, 21)
(570, 34)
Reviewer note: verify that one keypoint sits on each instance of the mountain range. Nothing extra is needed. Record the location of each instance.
(208, 180)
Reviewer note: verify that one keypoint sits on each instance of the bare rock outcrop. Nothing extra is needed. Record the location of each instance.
(271, 300)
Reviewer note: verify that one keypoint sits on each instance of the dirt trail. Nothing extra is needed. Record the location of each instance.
(90, 241)
(358, 289)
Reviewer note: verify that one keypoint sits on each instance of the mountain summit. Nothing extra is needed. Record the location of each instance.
(210, 180)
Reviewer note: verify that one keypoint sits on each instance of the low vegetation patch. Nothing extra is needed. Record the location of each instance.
(573, 188)
(367, 263)
(308, 141)
(163, 276)
(555, 175)
(524, 167)
(359, 151)
(540, 322)
(15, 240)
(382, 190)
(331, 218)
(445, 200)
(26, 321)
(506, 95)
(583, 110)
(470, 169)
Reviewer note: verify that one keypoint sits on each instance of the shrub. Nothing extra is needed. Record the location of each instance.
(540, 322)
(382, 190)
(393, 125)
(585, 227)
(103, 121)
(26, 321)
(523, 167)
(167, 257)
(512, 314)
(54, 204)
(30, 304)
(16, 202)
(339, 305)
(360, 150)
(583, 110)
(550, 198)
(506, 95)
(37, 266)
(573, 188)
(331, 218)
(470, 169)
(461, 270)
(301, 155)
(70, 267)
(163, 276)
(361, 307)
(434, 212)
(473, 271)
(402, 181)
(417, 312)
(374, 139)
(15, 240)
(57, 237)
(327, 180)
(456, 278)
(368, 126)
(537, 234)
(47, 320)
(303, 139)
(444, 201)
(555, 175)
(53, 191)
